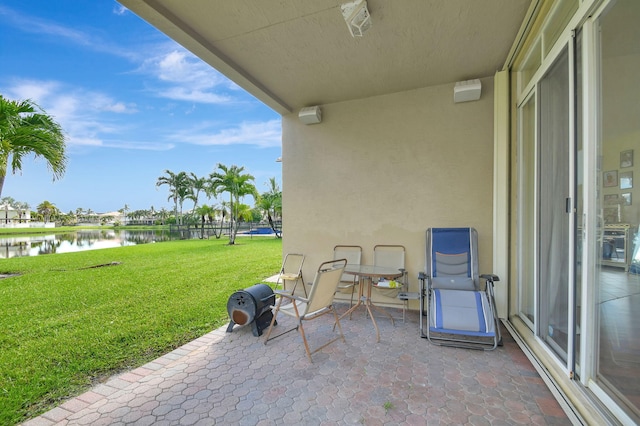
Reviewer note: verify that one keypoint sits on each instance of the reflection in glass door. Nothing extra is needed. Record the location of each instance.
(555, 205)
(617, 276)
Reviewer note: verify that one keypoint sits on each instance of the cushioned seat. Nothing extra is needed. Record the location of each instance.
(461, 312)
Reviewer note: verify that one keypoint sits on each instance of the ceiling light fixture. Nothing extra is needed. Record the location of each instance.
(357, 17)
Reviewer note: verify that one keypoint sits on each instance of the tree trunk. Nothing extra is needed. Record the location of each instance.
(273, 226)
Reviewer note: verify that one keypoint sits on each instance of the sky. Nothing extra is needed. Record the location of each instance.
(132, 103)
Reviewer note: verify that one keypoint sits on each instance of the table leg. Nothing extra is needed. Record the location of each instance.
(368, 304)
(366, 300)
(358, 303)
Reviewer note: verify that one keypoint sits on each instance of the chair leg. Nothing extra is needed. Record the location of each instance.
(304, 339)
(273, 320)
(335, 315)
(353, 290)
(295, 285)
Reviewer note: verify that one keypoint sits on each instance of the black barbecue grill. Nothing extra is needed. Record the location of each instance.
(251, 306)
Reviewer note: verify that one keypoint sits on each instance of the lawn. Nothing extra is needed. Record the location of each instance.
(65, 324)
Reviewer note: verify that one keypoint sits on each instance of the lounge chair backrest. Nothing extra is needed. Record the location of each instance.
(451, 258)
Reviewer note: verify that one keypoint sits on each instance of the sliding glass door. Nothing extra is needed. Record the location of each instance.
(547, 177)
(555, 206)
(617, 277)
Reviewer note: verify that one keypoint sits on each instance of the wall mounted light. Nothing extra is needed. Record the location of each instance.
(356, 15)
(465, 91)
(310, 115)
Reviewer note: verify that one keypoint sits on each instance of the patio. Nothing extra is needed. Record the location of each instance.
(233, 378)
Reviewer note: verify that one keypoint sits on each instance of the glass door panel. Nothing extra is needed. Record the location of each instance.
(526, 210)
(554, 206)
(617, 275)
(579, 204)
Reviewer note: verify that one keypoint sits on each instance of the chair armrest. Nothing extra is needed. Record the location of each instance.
(490, 277)
(422, 276)
(291, 296)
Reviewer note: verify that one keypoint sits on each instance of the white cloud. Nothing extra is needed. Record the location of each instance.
(61, 34)
(34, 90)
(182, 76)
(138, 145)
(85, 116)
(102, 102)
(78, 141)
(199, 96)
(175, 72)
(119, 9)
(35, 25)
(264, 134)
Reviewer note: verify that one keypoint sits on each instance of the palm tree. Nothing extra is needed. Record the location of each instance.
(245, 213)
(270, 203)
(177, 182)
(163, 214)
(79, 213)
(198, 185)
(124, 211)
(47, 209)
(7, 200)
(90, 216)
(232, 180)
(183, 192)
(221, 212)
(26, 129)
(22, 208)
(206, 214)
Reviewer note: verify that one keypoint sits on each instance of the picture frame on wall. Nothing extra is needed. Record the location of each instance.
(611, 214)
(611, 199)
(626, 158)
(626, 198)
(610, 178)
(626, 180)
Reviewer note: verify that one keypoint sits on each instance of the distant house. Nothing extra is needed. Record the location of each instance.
(11, 217)
(111, 218)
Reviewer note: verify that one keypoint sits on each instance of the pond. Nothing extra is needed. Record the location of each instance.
(85, 239)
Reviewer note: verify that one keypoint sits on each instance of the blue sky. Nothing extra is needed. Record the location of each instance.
(132, 103)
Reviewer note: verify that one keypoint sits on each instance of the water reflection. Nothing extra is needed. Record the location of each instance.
(86, 239)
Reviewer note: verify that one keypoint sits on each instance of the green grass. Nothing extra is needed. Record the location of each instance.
(64, 326)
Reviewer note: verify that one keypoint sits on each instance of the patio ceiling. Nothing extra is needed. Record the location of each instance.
(291, 54)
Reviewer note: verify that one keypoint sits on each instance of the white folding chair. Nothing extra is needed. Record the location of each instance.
(291, 270)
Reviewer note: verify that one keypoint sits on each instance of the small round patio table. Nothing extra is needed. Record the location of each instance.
(366, 275)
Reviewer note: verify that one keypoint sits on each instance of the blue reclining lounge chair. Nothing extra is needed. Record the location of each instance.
(460, 311)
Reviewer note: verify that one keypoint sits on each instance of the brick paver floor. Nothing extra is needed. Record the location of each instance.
(234, 379)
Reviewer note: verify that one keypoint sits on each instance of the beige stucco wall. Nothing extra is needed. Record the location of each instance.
(382, 170)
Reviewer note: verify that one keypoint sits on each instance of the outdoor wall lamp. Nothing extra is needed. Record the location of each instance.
(310, 115)
(465, 91)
